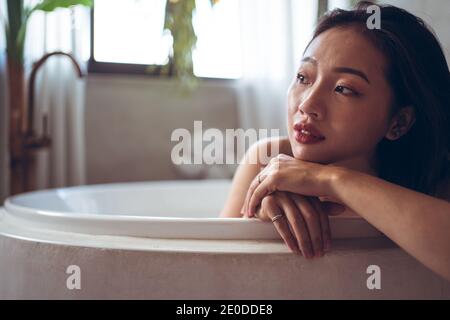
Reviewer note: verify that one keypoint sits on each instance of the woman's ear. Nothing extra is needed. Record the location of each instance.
(401, 123)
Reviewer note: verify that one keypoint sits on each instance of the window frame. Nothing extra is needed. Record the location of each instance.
(95, 66)
(148, 70)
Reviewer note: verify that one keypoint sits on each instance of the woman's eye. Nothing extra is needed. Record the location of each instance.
(345, 91)
(301, 78)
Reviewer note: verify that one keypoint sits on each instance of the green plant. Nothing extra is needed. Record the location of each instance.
(18, 17)
(322, 7)
(178, 21)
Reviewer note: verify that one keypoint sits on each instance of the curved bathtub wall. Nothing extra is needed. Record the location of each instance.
(34, 260)
(167, 209)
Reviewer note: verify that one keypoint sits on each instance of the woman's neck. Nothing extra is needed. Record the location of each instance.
(368, 164)
(360, 164)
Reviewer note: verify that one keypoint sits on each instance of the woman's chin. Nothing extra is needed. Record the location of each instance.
(309, 152)
(300, 153)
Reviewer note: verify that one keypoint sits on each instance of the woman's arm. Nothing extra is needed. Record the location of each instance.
(418, 223)
(304, 226)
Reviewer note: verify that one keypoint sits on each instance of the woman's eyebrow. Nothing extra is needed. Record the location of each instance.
(310, 60)
(349, 70)
(352, 71)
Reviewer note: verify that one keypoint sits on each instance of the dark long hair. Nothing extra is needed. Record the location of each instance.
(418, 74)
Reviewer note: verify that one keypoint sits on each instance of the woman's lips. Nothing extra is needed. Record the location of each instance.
(305, 133)
(306, 139)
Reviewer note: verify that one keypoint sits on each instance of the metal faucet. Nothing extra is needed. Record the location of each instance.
(31, 140)
(28, 140)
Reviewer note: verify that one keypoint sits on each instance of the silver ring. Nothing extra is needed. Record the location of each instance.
(278, 216)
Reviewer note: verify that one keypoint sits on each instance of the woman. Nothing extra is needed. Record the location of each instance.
(369, 133)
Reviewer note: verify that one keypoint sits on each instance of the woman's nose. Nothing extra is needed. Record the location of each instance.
(310, 113)
(311, 105)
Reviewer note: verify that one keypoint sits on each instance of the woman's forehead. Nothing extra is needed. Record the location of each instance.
(347, 47)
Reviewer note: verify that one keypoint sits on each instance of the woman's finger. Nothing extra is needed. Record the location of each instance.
(250, 190)
(263, 187)
(297, 224)
(311, 217)
(270, 209)
(253, 186)
(261, 214)
(332, 209)
(324, 223)
(266, 181)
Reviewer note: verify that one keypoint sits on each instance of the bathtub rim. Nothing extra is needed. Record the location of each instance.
(149, 227)
(194, 246)
(135, 218)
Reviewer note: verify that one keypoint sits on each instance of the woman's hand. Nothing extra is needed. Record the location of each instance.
(300, 221)
(285, 173)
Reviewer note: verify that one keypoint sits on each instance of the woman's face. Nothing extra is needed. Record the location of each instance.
(341, 90)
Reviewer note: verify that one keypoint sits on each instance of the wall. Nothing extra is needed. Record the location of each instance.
(129, 122)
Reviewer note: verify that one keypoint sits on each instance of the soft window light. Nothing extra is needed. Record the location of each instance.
(131, 31)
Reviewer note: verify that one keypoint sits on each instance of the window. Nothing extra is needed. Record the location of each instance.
(129, 35)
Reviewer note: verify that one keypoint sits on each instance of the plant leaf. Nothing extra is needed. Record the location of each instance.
(50, 5)
(12, 28)
(8, 38)
(20, 41)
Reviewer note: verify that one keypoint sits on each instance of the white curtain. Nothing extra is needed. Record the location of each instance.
(59, 93)
(274, 34)
(4, 167)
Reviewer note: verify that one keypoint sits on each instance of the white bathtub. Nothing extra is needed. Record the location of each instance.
(175, 210)
(165, 240)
